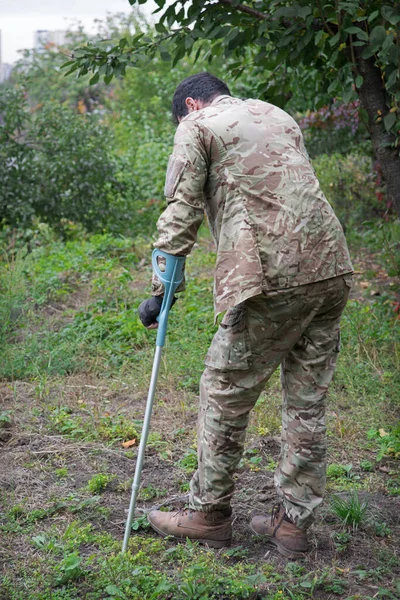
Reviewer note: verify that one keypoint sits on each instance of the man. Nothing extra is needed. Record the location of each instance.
(283, 275)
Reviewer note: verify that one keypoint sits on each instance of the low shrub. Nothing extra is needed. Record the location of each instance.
(349, 184)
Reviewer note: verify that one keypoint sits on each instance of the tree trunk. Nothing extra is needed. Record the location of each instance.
(374, 100)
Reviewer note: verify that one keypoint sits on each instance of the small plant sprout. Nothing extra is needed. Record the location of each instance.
(341, 540)
(367, 465)
(188, 462)
(98, 483)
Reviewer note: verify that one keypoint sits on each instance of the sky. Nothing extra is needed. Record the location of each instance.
(20, 18)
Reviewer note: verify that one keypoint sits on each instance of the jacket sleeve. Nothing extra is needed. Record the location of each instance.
(185, 180)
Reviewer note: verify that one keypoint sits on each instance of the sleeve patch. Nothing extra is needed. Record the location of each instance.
(176, 167)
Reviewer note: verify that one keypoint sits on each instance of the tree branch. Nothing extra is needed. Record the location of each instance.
(316, 24)
(246, 9)
(328, 29)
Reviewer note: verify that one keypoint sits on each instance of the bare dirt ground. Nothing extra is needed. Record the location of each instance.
(30, 455)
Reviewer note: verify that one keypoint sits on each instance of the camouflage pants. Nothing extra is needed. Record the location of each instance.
(297, 328)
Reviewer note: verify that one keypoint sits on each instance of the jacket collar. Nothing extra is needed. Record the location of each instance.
(224, 99)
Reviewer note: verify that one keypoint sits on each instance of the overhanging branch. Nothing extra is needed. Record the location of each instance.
(246, 9)
(316, 25)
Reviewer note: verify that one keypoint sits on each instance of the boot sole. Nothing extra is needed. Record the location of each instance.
(281, 549)
(210, 543)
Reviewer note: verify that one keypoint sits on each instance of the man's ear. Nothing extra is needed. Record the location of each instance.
(191, 104)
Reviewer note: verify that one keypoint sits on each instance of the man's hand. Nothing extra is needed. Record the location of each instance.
(150, 309)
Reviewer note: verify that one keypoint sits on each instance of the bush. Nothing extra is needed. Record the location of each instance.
(335, 128)
(348, 182)
(19, 190)
(56, 164)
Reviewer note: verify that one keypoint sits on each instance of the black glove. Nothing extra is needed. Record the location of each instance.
(150, 309)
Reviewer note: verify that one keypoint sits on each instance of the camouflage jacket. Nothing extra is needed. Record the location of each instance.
(243, 163)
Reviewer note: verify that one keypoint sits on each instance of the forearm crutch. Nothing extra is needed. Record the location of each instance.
(171, 278)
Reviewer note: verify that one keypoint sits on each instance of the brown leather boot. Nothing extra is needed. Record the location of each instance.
(279, 530)
(213, 528)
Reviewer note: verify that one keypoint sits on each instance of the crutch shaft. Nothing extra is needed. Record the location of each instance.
(142, 445)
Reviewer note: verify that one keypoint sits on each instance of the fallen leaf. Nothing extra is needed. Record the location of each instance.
(129, 443)
(364, 284)
(383, 433)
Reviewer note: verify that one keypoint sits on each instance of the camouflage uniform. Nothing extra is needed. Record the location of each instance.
(281, 262)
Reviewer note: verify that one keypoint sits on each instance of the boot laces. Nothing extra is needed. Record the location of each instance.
(275, 512)
(182, 512)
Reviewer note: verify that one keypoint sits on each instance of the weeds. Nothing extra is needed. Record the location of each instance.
(388, 441)
(367, 465)
(69, 569)
(350, 511)
(188, 463)
(149, 492)
(339, 471)
(341, 540)
(98, 483)
(61, 473)
(382, 529)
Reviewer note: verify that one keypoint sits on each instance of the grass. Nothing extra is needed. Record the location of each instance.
(350, 511)
(73, 382)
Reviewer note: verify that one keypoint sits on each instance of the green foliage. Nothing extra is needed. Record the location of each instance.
(350, 511)
(140, 523)
(149, 492)
(188, 462)
(69, 569)
(56, 164)
(335, 128)
(382, 238)
(98, 483)
(312, 43)
(348, 182)
(342, 477)
(84, 425)
(382, 529)
(321, 50)
(338, 471)
(61, 473)
(67, 423)
(39, 72)
(13, 294)
(5, 418)
(17, 194)
(341, 540)
(388, 441)
(367, 465)
(50, 273)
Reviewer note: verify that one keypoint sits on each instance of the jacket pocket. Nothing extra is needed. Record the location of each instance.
(175, 169)
(230, 349)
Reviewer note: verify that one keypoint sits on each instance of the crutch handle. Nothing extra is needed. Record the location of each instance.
(171, 277)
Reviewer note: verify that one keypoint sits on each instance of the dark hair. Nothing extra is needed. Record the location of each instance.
(202, 86)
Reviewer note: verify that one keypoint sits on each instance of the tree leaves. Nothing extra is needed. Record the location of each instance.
(377, 37)
(304, 35)
(94, 79)
(389, 120)
(391, 14)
